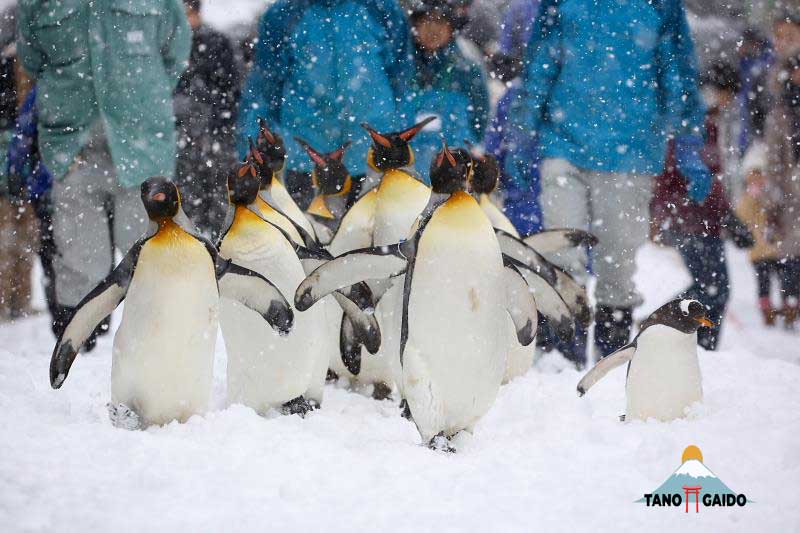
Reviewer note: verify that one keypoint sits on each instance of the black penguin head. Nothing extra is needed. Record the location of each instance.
(681, 314)
(244, 182)
(272, 149)
(330, 175)
(391, 150)
(161, 198)
(485, 173)
(450, 170)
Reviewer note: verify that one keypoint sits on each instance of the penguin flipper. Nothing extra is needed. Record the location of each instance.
(94, 307)
(349, 346)
(380, 262)
(256, 292)
(573, 294)
(548, 301)
(520, 304)
(556, 240)
(605, 365)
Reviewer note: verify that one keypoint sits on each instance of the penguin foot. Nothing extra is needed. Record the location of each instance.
(124, 417)
(314, 404)
(405, 410)
(440, 443)
(622, 418)
(381, 391)
(297, 406)
(332, 376)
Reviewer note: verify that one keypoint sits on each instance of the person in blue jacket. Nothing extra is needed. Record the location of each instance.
(321, 68)
(516, 153)
(606, 84)
(446, 85)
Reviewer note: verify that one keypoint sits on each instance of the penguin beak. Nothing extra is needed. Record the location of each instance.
(159, 197)
(704, 321)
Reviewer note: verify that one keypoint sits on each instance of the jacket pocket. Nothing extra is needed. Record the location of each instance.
(60, 32)
(133, 27)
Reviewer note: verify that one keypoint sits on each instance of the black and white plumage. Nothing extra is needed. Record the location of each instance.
(663, 376)
(163, 349)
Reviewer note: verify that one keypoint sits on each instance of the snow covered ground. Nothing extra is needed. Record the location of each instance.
(542, 459)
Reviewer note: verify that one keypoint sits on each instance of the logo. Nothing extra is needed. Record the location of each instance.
(693, 485)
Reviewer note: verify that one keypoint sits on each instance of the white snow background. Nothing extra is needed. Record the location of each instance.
(542, 459)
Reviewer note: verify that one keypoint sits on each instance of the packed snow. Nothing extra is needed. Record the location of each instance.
(542, 458)
(694, 468)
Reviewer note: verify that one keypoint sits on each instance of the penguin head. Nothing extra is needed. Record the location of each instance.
(687, 316)
(391, 150)
(245, 182)
(272, 148)
(330, 176)
(450, 170)
(161, 198)
(485, 173)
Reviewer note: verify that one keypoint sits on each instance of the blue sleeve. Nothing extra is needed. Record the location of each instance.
(680, 97)
(543, 60)
(397, 49)
(20, 149)
(263, 89)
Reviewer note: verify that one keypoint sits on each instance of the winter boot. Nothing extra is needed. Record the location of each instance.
(612, 328)
(767, 311)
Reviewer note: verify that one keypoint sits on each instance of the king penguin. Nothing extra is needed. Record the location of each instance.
(457, 291)
(663, 376)
(266, 370)
(163, 353)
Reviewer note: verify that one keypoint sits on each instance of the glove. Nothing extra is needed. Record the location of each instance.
(691, 166)
(738, 231)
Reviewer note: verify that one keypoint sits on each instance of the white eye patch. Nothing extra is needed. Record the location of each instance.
(685, 305)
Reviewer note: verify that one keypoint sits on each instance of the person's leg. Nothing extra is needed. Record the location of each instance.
(704, 256)
(565, 204)
(6, 258)
(130, 218)
(24, 243)
(621, 219)
(790, 288)
(764, 270)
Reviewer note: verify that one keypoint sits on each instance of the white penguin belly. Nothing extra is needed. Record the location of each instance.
(266, 370)
(163, 357)
(664, 377)
(455, 356)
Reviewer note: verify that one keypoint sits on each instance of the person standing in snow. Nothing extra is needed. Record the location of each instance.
(322, 67)
(516, 154)
(697, 230)
(105, 72)
(205, 111)
(606, 83)
(447, 84)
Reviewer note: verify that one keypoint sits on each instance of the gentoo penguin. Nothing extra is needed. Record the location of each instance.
(163, 353)
(333, 183)
(663, 376)
(457, 291)
(273, 192)
(266, 370)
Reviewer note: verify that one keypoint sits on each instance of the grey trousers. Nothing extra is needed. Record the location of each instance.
(90, 212)
(616, 208)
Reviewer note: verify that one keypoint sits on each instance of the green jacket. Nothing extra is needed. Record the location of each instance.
(112, 60)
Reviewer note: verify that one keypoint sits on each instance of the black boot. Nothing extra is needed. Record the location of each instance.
(612, 328)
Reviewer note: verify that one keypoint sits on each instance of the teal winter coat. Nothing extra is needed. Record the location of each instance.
(453, 88)
(322, 67)
(607, 82)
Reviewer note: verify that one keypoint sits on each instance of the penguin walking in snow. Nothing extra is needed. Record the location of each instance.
(457, 291)
(663, 376)
(333, 183)
(264, 370)
(273, 192)
(164, 348)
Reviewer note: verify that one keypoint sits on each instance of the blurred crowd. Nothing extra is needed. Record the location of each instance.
(597, 111)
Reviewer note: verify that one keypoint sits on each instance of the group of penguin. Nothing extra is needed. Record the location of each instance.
(426, 292)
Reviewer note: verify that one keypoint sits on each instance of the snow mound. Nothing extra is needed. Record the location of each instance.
(694, 468)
